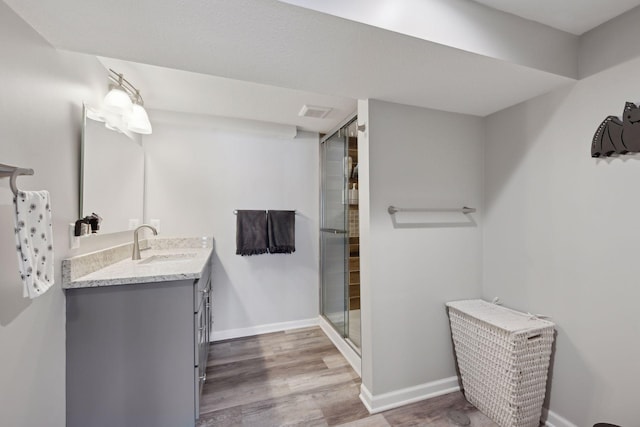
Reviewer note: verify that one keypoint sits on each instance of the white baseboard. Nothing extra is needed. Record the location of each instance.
(352, 357)
(405, 396)
(263, 329)
(554, 420)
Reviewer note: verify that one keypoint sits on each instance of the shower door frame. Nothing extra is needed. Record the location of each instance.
(345, 333)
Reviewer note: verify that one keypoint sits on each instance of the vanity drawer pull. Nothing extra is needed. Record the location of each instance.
(203, 378)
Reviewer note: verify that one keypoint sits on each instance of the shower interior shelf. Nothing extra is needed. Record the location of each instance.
(354, 233)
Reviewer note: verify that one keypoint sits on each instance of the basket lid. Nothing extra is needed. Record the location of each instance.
(501, 317)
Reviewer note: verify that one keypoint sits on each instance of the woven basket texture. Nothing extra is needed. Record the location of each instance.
(503, 357)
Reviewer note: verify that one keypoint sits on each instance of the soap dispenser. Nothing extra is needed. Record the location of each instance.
(353, 195)
(81, 227)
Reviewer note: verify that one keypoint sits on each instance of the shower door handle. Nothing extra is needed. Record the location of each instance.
(333, 230)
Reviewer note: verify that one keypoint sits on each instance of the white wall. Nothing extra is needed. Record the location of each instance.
(197, 176)
(609, 44)
(416, 158)
(465, 25)
(560, 238)
(40, 119)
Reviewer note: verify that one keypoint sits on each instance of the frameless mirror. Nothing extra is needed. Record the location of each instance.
(112, 176)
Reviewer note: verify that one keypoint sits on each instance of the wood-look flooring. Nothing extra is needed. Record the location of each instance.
(298, 378)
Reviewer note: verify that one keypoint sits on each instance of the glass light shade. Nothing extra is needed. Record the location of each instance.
(114, 121)
(117, 101)
(139, 120)
(94, 114)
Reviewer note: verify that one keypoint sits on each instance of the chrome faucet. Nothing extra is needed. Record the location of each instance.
(136, 245)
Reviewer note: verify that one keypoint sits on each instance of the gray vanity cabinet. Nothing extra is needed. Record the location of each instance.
(203, 321)
(136, 354)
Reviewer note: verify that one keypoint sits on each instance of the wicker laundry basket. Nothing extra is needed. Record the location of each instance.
(503, 357)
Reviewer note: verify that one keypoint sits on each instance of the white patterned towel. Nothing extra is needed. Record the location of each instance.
(34, 241)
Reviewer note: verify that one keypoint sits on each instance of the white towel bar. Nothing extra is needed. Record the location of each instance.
(465, 210)
(13, 172)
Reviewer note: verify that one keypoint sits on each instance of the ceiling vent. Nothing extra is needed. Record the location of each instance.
(314, 111)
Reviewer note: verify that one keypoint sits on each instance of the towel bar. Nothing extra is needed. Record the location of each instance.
(235, 211)
(13, 172)
(465, 210)
(333, 230)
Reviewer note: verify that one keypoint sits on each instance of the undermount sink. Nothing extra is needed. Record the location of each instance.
(156, 259)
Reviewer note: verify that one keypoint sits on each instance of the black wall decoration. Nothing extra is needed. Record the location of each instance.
(615, 136)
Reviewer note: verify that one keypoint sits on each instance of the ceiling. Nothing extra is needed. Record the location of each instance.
(572, 16)
(262, 60)
(187, 92)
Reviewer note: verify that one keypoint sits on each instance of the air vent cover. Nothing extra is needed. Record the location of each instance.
(314, 111)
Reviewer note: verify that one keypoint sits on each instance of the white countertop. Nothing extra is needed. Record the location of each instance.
(188, 264)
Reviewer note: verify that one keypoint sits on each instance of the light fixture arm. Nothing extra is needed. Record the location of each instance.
(138, 98)
(119, 81)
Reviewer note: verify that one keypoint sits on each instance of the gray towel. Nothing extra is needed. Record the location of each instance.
(251, 233)
(282, 232)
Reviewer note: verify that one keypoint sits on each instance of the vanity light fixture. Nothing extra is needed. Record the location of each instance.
(123, 107)
(139, 119)
(117, 100)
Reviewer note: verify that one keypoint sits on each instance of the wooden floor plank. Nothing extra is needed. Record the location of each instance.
(377, 420)
(298, 378)
(288, 410)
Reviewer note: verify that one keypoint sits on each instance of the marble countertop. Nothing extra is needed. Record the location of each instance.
(159, 263)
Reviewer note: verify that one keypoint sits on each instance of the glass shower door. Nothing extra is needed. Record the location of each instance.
(333, 232)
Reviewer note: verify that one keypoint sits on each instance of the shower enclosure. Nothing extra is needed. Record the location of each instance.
(339, 233)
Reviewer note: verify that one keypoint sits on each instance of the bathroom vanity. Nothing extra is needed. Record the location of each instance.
(138, 334)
